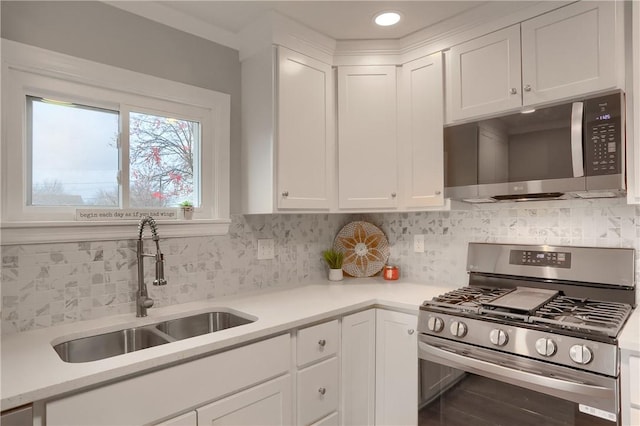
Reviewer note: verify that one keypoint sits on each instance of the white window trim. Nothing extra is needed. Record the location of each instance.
(16, 227)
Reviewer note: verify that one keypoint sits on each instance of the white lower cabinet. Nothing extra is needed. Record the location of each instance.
(630, 383)
(268, 404)
(396, 368)
(380, 368)
(359, 368)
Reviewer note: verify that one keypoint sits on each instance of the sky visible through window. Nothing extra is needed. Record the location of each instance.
(74, 154)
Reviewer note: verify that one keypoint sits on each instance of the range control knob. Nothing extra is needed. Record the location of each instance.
(545, 346)
(435, 324)
(498, 337)
(580, 354)
(458, 329)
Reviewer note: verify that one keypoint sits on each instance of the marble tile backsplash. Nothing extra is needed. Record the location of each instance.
(49, 284)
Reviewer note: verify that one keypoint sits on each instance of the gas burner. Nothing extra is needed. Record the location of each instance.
(584, 314)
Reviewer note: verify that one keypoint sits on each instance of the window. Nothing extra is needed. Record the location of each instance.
(110, 139)
(73, 154)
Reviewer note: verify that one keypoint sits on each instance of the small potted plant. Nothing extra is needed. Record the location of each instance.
(334, 260)
(186, 210)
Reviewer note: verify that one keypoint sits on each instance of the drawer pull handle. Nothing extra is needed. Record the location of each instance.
(322, 342)
(285, 194)
(411, 331)
(322, 391)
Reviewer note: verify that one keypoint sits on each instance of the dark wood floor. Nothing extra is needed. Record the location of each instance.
(478, 401)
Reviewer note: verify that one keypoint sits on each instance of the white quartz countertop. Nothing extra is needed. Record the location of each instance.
(31, 370)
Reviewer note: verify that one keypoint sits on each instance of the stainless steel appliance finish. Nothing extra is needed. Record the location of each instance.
(542, 318)
(575, 149)
(21, 416)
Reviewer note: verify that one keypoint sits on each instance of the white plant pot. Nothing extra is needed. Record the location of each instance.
(335, 275)
(186, 213)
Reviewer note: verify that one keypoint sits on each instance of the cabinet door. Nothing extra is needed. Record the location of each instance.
(485, 74)
(421, 136)
(367, 137)
(188, 419)
(396, 368)
(570, 51)
(358, 368)
(305, 135)
(267, 404)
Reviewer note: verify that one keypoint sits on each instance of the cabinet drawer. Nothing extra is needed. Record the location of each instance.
(317, 342)
(330, 420)
(317, 391)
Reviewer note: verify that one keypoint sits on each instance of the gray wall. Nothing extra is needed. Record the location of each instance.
(102, 33)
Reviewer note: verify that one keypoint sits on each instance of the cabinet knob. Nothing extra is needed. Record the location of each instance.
(438, 192)
(285, 194)
(322, 391)
(322, 342)
(513, 91)
(393, 195)
(411, 331)
(527, 88)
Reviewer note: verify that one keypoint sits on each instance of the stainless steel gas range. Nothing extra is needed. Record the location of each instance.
(532, 338)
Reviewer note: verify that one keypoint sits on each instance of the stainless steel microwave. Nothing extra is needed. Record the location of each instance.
(575, 149)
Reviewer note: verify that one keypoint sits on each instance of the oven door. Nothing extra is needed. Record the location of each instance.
(462, 385)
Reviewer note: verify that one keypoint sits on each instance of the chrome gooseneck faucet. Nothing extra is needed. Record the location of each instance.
(143, 301)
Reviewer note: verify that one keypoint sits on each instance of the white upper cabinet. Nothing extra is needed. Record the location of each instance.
(568, 52)
(305, 136)
(421, 137)
(571, 51)
(485, 74)
(367, 135)
(288, 132)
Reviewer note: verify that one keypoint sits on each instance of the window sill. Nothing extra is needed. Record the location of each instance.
(71, 231)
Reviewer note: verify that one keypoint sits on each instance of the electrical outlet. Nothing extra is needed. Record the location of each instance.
(266, 249)
(418, 243)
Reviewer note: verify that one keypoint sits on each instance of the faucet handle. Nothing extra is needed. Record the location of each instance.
(159, 281)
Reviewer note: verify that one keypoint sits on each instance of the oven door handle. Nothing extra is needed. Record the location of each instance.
(601, 397)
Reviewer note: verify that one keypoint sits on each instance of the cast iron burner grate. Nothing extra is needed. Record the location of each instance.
(584, 314)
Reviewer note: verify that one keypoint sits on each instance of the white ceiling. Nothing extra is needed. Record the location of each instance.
(339, 20)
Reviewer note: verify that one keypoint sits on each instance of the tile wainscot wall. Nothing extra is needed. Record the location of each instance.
(49, 284)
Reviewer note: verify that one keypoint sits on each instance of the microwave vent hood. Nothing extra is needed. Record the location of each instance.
(572, 150)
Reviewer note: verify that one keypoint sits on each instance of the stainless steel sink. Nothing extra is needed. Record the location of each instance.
(120, 342)
(102, 346)
(196, 325)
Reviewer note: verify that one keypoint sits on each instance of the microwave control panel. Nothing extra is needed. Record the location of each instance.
(603, 138)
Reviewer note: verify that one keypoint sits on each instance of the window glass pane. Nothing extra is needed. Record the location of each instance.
(74, 154)
(163, 152)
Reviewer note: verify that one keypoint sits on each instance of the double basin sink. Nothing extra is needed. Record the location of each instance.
(120, 342)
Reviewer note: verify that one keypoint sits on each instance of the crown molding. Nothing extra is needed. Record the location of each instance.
(170, 17)
(274, 28)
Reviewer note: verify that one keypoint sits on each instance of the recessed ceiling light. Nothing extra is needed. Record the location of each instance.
(386, 19)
